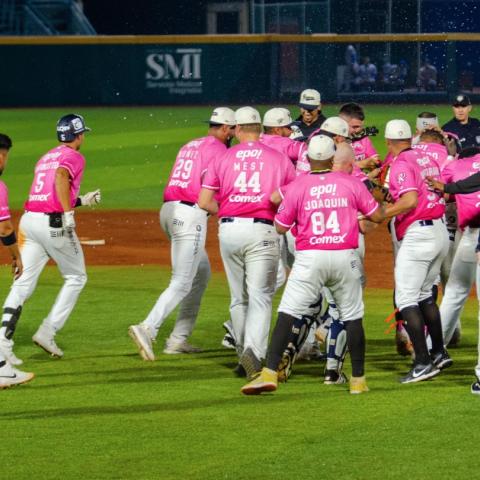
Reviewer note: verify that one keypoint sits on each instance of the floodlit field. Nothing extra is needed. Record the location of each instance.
(103, 413)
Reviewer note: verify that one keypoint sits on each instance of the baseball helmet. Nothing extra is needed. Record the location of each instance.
(69, 126)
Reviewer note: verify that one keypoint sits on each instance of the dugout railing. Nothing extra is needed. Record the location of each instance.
(231, 69)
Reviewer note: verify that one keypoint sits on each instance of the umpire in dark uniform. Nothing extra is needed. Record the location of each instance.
(311, 117)
(467, 129)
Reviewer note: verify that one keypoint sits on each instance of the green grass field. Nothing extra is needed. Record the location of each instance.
(103, 413)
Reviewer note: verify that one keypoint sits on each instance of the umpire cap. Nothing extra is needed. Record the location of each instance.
(69, 126)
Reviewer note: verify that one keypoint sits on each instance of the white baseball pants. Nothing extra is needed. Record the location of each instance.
(460, 281)
(338, 270)
(250, 253)
(418, 261)
(477, 368)
(186, 226)
(38, 243)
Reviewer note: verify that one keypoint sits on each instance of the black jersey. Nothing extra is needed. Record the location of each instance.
(468, 134)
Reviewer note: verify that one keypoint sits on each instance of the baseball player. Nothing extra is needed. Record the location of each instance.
(324, 205)
(185, 223)
(9, 375)
(47, 230)
(423, 238)
(463, 269)
(244, 179)
(311, 116)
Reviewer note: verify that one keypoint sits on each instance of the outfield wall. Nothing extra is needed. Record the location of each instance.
(232, 69)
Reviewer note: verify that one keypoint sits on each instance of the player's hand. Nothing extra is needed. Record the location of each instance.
(69, 220)
(91, 198)
(451, 145)
(435, 184)
(374, 173)
(368, 163)
(17, 267)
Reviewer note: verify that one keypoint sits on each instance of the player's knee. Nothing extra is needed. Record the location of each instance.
(181, 286)
(78, 281)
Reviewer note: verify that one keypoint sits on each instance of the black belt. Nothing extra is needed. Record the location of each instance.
(425, 223)
(190, 204)
(255, 220)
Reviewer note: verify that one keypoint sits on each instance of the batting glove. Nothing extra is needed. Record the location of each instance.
(69, 220)
(91, 198)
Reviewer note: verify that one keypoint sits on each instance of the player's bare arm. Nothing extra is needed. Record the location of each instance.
(379, 215)
(276, 198)
(408, 201)
(207, 202)
(281, 229)
(8, 238)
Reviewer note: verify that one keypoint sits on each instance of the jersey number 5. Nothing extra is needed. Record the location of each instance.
(319, 225)
(243, 184)
(39, 182)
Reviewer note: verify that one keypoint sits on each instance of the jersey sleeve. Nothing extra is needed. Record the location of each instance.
(210, 179)
(287, 212)
(403, 178)
(294, 150)
(366, 204)
(369, 148)
(290, 174)
(446, 175)
(4, 209)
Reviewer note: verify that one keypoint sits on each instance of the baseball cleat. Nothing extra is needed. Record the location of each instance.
(441, 360)
(141, 336)
(286, 364)
(174, 348)
(358, 385)
(420, 372)
(44, 338)
(229, 337)
(475, 388)
(10, 376)
(266, 381)
(332, 377)
(6, 349)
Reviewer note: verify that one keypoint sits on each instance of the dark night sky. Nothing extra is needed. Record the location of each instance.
(155, 17)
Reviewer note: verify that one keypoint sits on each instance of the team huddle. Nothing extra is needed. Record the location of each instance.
(294, 201)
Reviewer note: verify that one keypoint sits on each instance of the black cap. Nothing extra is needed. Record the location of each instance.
(461, 101)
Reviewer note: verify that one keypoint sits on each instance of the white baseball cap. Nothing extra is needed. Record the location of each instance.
(398, 130)
(222, 116)
(321, 147)
(309, 99)
(335, 125)
(426, 123)
(247, 116)
(277, 117)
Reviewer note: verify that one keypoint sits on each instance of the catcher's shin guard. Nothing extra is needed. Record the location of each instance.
(9, 320)
(336, 346)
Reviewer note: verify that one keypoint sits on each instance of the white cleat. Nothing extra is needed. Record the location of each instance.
(174, 348)
(44, 338)
(143, 339)
(10, 376)
(6, 349)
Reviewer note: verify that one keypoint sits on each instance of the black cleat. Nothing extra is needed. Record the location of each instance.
(332, 377)
(420, 372)
(441, 360)
(475, 388)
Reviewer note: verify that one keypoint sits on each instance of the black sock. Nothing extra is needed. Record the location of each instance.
(356, 346)
(431, 316)
(3, 363)
(280, 338)
(415, 327)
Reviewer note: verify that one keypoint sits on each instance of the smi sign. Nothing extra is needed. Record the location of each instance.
(176, 70)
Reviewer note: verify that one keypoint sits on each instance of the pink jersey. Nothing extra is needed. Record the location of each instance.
(291, 148)
(468, 205)
(189, 168)
(357, 172)
(436, 151)
(245, 177)
(43, 194)
(363, 149)
(324, 207)
(407, 174)
(4, 210)
(303, 164)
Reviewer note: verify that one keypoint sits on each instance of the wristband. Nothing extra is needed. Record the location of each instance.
(78, 202)
(9, 239)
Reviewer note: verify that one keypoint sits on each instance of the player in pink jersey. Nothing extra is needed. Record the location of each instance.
(324, 205)
(244, 179)
(9, 375)
(47, 230)
(186, 226)
(463, 270)
(423, 239)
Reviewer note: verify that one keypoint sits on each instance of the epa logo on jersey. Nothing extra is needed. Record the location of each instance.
(401, 177)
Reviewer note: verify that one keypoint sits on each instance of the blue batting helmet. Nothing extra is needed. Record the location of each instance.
(69, 126)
